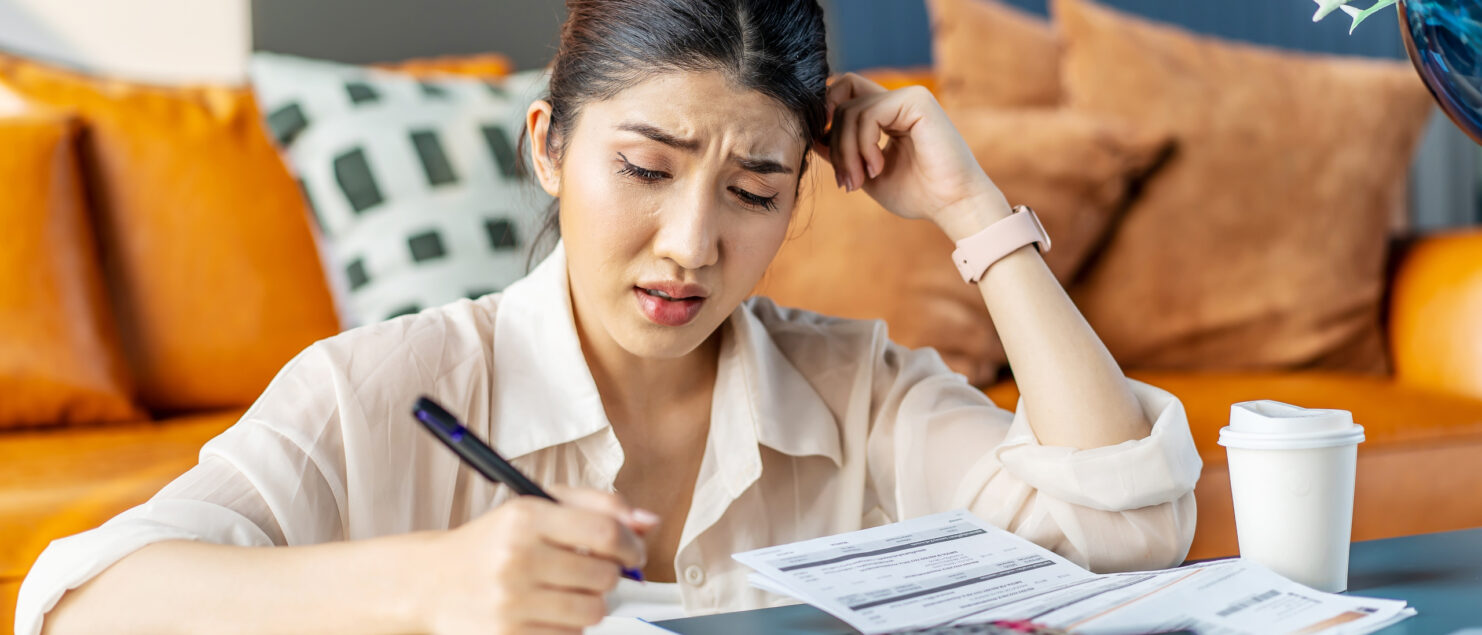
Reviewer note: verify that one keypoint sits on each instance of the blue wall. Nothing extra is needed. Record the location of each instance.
(871, 33)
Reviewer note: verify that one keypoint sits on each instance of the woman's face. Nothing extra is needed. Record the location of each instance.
(675, 195)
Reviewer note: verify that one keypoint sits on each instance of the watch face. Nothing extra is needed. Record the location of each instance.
(1044, 241)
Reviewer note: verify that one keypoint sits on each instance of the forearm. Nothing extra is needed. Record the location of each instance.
(1074, 392)
(193, 587)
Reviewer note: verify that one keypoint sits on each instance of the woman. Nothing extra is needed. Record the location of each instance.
(675, 137)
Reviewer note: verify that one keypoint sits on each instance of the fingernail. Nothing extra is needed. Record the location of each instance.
(874, 170)
(850, 182)
(645, 517)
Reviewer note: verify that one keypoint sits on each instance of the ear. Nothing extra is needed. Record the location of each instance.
(538, 122)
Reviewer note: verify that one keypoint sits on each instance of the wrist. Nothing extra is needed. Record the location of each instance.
(408, 598)
(972, 214)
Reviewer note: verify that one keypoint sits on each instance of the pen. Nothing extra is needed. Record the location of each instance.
(483, 458)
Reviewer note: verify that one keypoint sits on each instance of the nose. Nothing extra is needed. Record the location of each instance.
(688, 229)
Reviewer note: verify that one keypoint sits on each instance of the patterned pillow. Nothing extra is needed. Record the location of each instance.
(412, 181)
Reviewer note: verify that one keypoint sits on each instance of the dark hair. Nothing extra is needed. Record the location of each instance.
(775, 47)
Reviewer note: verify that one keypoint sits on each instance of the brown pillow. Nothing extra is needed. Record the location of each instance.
(205, 239)
(987, 53)
(59, 355)
(852, 258)
(1261, 245)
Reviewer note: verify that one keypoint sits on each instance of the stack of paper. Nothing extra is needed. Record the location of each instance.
(954, 568)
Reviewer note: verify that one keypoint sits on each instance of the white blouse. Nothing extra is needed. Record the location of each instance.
(818, 426)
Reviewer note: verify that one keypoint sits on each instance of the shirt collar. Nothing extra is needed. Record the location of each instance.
(544, 394)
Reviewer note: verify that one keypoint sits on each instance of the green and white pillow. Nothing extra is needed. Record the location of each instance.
(412, 182)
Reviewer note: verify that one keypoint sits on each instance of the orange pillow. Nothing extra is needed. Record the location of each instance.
(205, 239)
(893, 78)
(1262, 243)
(480, 65)
(59, 355)
(852, 258)
(987, 53)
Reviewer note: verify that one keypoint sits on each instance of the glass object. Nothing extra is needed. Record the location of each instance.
(1444, 40)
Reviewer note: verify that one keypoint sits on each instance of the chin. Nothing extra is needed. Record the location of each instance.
(651, 341)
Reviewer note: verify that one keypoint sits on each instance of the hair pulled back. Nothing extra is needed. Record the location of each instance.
(775, 47)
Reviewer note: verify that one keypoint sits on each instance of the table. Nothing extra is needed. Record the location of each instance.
(1440, 575)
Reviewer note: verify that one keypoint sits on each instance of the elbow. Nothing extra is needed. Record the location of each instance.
(1143, 539)
(63, 619)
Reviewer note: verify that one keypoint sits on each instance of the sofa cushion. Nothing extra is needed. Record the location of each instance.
(56, 483)
(1435, 313)
(1262, 243)
(414, 182)
(206, 245)
(852, 258)
(990, 54)
(892, 78)
(1392, 414)
(1410, 466)
(60, 360)
(490, 65)
(10, 589)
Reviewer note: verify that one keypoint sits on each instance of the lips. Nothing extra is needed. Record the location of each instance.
(670, 304)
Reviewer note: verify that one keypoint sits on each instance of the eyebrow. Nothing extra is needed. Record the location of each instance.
(758, 166)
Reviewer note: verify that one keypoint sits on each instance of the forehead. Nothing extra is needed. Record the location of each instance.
(704, 106)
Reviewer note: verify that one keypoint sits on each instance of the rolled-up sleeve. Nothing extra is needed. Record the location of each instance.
(936, 443)
(257, 484)
(328, 452)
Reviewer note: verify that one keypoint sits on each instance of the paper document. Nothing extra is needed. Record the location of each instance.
(954, 568)
(624, 626)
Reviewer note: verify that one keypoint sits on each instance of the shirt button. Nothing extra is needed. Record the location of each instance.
(694, 575)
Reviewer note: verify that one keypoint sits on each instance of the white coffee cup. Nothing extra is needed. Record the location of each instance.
(1291, 477)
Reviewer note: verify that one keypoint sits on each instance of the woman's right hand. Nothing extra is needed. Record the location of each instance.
(532, 566)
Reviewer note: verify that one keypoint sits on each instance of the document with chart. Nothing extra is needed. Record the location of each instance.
(954, 568)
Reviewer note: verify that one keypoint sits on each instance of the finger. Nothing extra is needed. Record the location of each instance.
(895, 114)
(844, 144)
(563, 609)
(597, 533)
(839, 91)
(831, 136)
(562, 569)
(638, 519)
(851, 145)
(869, 143)
(846, 87)
(883, 116)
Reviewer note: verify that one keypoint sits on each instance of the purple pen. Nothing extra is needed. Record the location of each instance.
(481, 457)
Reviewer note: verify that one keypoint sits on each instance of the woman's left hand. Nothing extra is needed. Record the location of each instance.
(925, 169)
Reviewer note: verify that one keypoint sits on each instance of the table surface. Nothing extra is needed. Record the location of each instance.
(1440, 575)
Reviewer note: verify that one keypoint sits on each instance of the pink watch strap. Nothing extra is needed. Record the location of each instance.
(977, 252)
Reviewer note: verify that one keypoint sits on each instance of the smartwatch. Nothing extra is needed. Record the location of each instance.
(979, 251)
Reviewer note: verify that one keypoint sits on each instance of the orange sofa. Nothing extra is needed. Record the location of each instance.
(1418, 471)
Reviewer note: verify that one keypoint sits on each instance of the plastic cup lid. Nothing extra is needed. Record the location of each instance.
(1273, 425)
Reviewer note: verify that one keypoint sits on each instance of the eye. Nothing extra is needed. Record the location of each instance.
(653, 176)
(763, 202)
(647, 176)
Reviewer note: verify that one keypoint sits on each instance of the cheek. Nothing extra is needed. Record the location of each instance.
(599, 213)
(752, 249)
